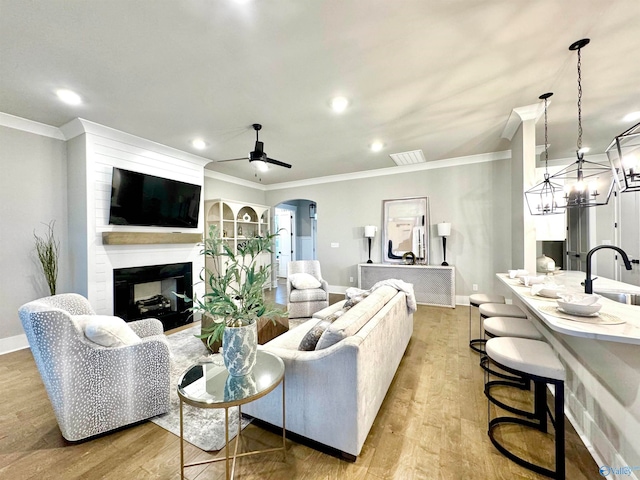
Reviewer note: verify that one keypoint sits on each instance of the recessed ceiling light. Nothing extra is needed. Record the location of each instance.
(199, 144)
(67, 96)
(339, 104)
(377, 146)
(631, 117)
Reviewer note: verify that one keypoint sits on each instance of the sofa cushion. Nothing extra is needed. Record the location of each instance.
(308, 295)
(356, 317)
(106, 330)
(303, 281)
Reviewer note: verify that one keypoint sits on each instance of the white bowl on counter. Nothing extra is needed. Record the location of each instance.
(580, 298)
(548, 291)
(581, 305)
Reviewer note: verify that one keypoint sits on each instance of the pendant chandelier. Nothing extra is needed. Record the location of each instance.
(547, 197)
(586, 184)
(624, 156)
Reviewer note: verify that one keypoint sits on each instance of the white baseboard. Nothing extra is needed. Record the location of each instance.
(11, 344)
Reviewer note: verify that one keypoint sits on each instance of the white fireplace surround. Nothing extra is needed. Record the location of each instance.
(93, 151)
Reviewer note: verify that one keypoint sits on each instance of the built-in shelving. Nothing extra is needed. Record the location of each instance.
(236, 221)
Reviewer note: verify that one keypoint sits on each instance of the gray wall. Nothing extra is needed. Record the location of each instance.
(474, 198)
(215, 188)
(33, 191)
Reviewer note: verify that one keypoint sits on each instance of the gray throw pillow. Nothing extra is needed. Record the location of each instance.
(310, 340)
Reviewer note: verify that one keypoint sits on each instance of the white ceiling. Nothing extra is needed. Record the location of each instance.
(441, 76)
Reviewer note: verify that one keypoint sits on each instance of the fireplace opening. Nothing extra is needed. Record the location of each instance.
(147, 292)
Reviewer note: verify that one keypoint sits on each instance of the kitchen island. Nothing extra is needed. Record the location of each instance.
(602, 360)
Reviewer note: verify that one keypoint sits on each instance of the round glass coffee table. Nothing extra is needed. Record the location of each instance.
(209, 385)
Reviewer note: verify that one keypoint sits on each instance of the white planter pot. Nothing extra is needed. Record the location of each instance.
(239, 347)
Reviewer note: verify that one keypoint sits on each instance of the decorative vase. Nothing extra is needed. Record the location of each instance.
(545, 264)
(239, 347)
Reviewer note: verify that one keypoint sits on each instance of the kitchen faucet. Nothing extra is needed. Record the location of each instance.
(588, 282)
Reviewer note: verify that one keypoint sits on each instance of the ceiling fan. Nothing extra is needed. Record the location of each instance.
(259, 156)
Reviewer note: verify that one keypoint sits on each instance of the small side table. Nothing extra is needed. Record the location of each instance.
(209, 385)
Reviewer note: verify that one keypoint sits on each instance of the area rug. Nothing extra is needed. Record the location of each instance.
(203, 427)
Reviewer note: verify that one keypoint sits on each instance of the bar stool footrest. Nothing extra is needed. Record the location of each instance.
(517, 380)
(494, 423)
(477, 341)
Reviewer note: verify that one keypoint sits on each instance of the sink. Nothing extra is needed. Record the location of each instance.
(630, 298)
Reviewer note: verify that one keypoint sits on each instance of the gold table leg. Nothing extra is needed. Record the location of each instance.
(181, 444)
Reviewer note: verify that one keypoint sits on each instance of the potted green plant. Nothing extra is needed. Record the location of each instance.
(234, 299)
(48, 249)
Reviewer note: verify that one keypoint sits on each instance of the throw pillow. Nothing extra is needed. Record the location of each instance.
(353, 301)
(304, 281)
(109, 331)
(309, 341)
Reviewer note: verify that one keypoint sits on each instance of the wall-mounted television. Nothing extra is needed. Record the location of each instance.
(147, 200)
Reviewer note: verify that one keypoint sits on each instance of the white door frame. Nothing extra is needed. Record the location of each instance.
(293, 212)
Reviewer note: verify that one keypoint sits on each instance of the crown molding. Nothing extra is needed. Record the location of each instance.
(238, 181)
(522, 114)
(399, 170)
(25, 125)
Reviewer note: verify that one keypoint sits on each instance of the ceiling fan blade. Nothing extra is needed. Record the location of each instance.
(277, 162)
(232, 159)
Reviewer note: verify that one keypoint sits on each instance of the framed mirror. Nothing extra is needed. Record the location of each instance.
(405, 223)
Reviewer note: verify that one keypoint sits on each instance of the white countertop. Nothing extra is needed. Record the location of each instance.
(627, 332)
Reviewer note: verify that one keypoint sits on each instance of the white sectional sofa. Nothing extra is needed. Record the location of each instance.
(333, 394)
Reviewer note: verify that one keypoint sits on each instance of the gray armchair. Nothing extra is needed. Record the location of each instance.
(303, 303)
(94, 389)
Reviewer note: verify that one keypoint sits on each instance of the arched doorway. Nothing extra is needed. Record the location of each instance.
(296, 222)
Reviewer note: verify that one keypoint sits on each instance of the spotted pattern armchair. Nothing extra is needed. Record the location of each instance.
(94, 389)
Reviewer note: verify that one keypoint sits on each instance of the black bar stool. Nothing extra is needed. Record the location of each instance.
(535, 361)
(476, 300)
(488, 310)
(507, 327)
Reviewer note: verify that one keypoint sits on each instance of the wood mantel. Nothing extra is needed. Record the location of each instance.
(149, 238)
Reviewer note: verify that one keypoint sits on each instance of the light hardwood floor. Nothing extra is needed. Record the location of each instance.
(432, 425)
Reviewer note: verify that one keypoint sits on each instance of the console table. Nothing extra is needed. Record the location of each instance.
(433, 285)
